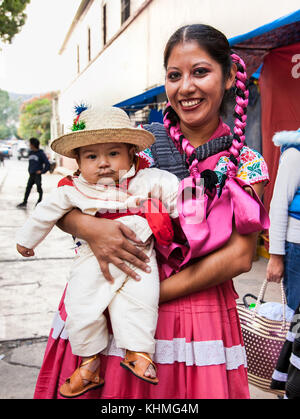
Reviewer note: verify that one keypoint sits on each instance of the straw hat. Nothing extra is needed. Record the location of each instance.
(101, 125)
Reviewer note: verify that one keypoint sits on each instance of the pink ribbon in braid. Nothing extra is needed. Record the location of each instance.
(183, 146)
(240, 113)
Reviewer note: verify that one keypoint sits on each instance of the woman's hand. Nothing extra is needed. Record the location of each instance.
(275, 268)
(110, 241)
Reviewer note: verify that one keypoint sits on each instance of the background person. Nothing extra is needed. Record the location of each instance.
(284, 233)
(38, 164)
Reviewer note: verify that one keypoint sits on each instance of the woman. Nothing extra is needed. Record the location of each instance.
(199, 348)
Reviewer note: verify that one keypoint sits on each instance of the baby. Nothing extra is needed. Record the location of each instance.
(112, 184)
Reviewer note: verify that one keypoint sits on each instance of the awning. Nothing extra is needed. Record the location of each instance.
(282, 21)
(140, 101)
(253, 46)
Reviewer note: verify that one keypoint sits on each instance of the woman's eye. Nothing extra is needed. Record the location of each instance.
(201, 71)
(174, 76)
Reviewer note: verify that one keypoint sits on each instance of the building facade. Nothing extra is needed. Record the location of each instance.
(113, 50)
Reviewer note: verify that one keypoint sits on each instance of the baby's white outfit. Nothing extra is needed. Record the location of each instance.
(132, 305)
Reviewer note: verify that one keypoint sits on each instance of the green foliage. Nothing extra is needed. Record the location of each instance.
(35, 120)
(9, 114)
(12, 18)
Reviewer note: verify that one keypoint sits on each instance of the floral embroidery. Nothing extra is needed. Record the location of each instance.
(252, 166)
(248, 156)
(147, 155)
(254, 170)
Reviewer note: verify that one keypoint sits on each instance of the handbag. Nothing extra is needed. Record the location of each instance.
(263, 340)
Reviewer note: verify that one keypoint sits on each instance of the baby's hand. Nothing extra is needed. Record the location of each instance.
(24, 251)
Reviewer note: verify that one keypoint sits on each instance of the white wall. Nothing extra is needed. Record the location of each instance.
(133, 62)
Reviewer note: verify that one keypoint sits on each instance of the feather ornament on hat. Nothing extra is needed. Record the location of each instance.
(77, 126)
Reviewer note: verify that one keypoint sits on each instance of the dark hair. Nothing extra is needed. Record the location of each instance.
(35, 142)
(215, 44)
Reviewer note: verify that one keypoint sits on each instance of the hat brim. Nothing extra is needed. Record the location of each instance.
(68, 143)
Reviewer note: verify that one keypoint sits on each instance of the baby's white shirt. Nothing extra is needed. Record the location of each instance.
(90, 199)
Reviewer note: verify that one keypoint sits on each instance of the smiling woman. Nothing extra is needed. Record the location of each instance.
(199, 350)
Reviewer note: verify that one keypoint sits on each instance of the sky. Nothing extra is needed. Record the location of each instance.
(31, 63)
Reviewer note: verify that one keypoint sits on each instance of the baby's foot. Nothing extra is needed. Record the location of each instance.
(91, 363)
(150, 372)
(141, 365)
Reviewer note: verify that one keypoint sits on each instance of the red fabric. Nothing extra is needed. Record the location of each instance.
(117, 214)
(159, 221)
(280, 92)
(65, 181)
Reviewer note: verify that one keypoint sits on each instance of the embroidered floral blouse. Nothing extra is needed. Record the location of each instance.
(252, 166)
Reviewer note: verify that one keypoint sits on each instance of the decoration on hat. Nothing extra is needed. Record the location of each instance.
(79, 125)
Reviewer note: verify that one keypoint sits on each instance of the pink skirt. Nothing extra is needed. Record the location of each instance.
(199, 354)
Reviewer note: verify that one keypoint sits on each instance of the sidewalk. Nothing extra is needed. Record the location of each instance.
(20, 360)
(3, 174)
(31, 289)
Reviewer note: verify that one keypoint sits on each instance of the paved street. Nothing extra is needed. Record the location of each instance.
(31, 289)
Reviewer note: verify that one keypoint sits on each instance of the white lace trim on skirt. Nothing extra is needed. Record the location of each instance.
(204, 353)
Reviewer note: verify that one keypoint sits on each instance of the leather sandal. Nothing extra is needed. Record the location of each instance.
(138, 363)
(74, 386)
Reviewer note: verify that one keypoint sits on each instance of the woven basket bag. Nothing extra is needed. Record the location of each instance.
(263, 341)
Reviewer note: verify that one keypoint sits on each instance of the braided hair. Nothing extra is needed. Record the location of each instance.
(216, 44)
(240, 114)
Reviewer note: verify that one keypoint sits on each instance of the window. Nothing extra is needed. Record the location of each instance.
(104, 24)
(89, 44)
(125, 10)
(78, 60)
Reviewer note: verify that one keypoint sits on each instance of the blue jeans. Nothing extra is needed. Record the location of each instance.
(291, 278)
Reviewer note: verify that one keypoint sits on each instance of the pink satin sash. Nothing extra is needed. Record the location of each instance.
(207, 222)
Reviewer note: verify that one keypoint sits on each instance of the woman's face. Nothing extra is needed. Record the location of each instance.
(195, 86)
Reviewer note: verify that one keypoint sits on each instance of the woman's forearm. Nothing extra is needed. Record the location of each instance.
(76, 223)
(231, 260)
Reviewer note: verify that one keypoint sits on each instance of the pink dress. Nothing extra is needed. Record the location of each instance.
(199, 346)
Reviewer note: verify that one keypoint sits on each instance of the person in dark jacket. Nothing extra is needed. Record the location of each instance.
(38, 165)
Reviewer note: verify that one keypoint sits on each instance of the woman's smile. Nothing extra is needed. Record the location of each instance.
(190, 104)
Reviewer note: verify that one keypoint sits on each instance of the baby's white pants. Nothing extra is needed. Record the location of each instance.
(132, 305)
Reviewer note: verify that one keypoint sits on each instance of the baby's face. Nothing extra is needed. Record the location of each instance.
(105, 163)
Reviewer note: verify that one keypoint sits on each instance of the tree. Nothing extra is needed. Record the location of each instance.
(12, 18)
(9, 115)
(35, 118)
